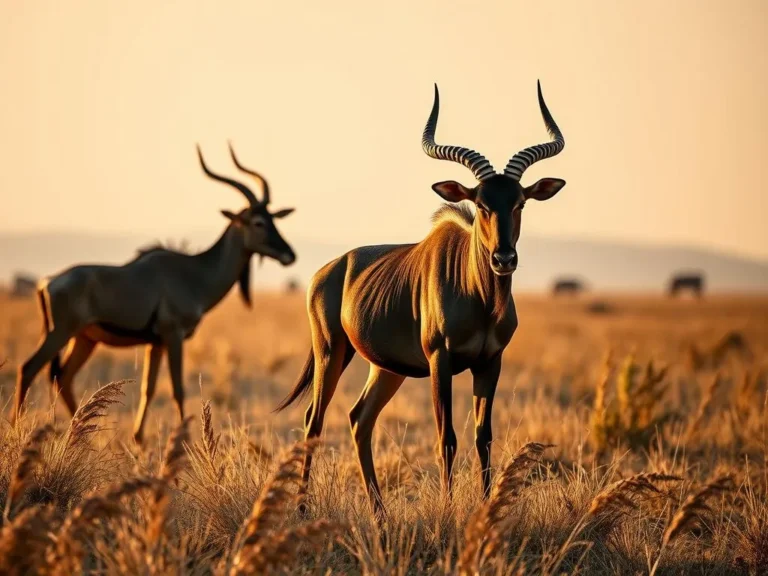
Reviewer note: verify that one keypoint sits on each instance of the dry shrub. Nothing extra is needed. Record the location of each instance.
(635, 413)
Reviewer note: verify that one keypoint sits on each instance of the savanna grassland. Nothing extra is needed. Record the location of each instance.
(655, 411)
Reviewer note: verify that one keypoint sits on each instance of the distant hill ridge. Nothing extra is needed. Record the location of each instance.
(603, 265)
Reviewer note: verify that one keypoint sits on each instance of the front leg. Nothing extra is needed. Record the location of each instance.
(440, 373)
(485, 379)
(153, 354)
(174, 345)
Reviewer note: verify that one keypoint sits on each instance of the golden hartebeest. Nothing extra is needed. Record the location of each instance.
(434, 309)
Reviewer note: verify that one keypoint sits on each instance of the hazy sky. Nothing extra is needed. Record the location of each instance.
(664, 107)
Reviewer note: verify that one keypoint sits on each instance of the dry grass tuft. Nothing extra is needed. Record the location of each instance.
(277, 495)
(174, 462)
(694, 507)
(66, 556)
(484, 529)
(175, 452)
(24, 540)
(280, 550)
(85, 421)
(628, 492)
(264, 546)
(704, 407)
(31, 457)
(210, 438)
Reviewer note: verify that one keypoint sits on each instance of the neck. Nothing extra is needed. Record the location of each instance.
(496, 291)
(221, 266)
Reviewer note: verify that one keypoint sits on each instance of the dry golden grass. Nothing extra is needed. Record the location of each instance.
(603, 464)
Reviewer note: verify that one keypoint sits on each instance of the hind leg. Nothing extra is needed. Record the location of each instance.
(378, 391)
(52, 343)
(329, 364)
(80, 349)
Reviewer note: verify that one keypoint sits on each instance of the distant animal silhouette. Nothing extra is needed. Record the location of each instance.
(435, 308)
(693, 282)
(23, 286)
(157, 300)
(292, 286)
(571, 286)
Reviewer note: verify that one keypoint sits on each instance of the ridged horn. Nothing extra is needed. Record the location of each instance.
(262, 181)
(250, 196)
(521, 161)
(475, 161)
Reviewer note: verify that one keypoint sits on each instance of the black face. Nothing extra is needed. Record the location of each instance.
(260, 234)
(499, 201)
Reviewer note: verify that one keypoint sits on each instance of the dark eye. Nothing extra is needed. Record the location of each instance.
(483, 210)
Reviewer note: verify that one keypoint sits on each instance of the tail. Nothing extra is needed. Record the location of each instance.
(302, 386)
(54, 369)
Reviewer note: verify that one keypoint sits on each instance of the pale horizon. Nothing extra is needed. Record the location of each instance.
(662, 107)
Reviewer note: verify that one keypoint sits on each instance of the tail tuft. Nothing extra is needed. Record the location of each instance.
(54, 369)
(302, 386)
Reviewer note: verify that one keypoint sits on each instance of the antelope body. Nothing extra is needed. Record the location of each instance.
(692, 281)
(435, 308)
(567, 286)
(158, 299)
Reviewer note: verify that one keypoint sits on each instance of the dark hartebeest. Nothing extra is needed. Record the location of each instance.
(567, 286)
(694, 282)
(435, 308)
(157, 300)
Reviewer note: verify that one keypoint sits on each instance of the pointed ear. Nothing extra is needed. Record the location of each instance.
(283, 213)
(230, 215)
(453, 191)
(544, 189)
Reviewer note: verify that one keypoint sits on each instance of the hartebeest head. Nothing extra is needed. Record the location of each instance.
(256, 223)
(499, 198)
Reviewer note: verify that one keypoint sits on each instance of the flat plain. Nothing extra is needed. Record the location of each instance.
(655, 409)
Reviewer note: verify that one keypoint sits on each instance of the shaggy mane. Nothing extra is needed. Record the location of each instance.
(151, 249)
(459, 214)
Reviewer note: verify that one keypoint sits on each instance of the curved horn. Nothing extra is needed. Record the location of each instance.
(475, 161)
(525, 158)
(250, 196)
(259, 177)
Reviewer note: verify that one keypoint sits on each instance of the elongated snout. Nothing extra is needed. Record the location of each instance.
(287, 258)
(505, 262)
